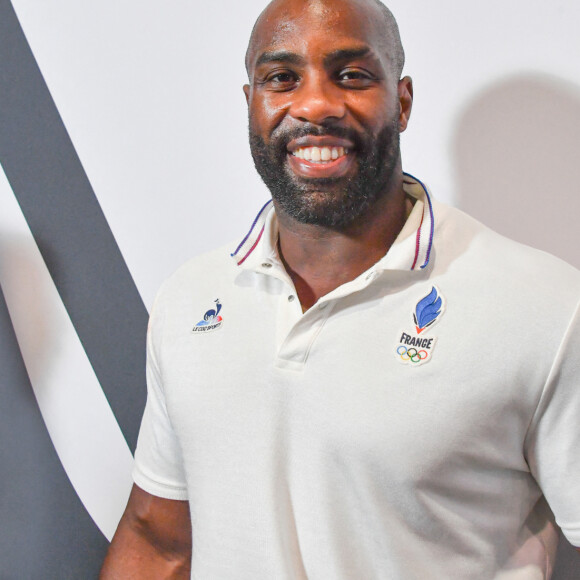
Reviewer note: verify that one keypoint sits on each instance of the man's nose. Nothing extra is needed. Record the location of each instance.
(317, 100)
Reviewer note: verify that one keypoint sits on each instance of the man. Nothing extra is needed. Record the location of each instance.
(376, 386)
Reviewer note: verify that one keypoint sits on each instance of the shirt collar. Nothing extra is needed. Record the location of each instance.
(411, 250)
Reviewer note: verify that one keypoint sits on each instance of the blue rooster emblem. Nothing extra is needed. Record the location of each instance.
(211, 316)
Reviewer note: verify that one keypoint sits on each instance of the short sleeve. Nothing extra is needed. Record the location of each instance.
(553, 442)
(158, 467)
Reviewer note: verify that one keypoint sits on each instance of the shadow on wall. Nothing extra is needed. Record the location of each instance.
(517, 169)
(517, 164)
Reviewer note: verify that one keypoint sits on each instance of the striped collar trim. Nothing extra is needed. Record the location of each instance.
(426, 229)
(423, 236)
(253, 237)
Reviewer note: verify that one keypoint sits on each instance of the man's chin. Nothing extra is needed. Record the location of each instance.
(321, 207)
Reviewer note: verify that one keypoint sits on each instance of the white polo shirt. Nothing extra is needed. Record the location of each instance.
(407, 426)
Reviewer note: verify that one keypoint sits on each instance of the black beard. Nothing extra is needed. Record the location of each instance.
(333, 202)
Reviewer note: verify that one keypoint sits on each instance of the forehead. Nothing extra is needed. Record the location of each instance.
(292, 24)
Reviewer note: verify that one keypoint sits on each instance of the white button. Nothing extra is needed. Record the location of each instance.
(322, 306)
(371, 275)
(266, 265)
(291, 298)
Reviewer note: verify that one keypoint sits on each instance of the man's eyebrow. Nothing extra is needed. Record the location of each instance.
(347, 54)
(279, 56)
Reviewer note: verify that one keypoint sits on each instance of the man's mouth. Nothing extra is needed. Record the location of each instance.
(320, 154)
(325, 156)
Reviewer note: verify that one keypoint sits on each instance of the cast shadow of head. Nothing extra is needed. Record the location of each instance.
(517, 162)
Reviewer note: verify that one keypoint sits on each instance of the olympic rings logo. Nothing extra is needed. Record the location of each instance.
(411, 354)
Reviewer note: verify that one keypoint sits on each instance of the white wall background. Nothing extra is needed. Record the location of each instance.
(151, 95)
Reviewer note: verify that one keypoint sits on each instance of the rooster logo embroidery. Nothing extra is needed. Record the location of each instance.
(211, 319)
(414, 348)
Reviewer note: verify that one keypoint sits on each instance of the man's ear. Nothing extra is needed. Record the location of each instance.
(405, 92)
(247, 93)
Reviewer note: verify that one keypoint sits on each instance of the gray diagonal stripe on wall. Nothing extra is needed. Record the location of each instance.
(46, 531)
(71, 231)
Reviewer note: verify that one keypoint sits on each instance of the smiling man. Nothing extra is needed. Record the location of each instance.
(347, 393)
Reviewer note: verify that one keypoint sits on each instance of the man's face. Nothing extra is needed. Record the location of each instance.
(324, 109)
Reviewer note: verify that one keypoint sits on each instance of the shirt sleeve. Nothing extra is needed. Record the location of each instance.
(553, 443)
(158, 467)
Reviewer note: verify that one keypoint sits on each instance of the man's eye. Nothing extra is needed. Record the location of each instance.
(281, 80)
(351, 74)
(355, 78)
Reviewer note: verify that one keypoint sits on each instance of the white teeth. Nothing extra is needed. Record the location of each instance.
(320, 154)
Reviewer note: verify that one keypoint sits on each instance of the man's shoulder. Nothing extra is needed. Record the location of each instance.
(498, 260)
(214, 260)
(464, 232)
(200, 272)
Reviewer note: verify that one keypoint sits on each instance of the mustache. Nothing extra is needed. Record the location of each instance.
(283, 136)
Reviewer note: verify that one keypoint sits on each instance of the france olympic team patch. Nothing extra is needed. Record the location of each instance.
(415, 347)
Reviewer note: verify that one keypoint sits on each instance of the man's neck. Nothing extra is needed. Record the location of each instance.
(320, 259)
